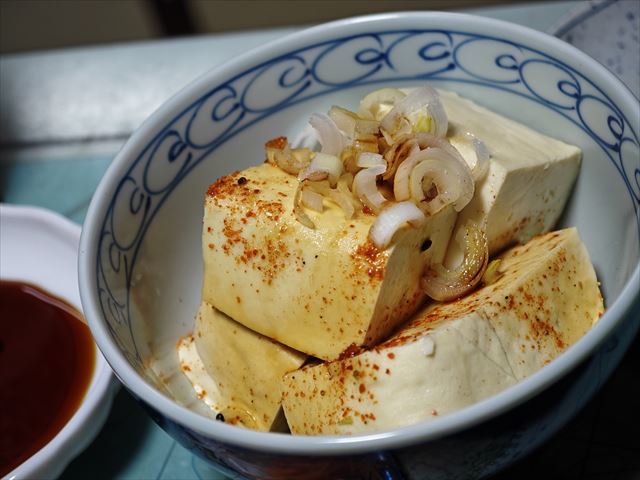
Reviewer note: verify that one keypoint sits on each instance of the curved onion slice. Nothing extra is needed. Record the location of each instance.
(351, 124)
(366, 127)
(291, 161)
(452, 181)
(401, 188)
(480, 168)
(311, 199)
(397, 153)
(420, 111)
(306, 138)
(344, 202)
(444, 284)
(298, 211)
(322, 166)
(341, 195)
(344, 198)
(344, 119)
(426, 140)
(378, 103)
(369, 159)
(329, 135)
(391, 219)
(366, 188)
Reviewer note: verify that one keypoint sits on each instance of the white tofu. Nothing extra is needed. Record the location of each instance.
(451, 355)
(530, 175)
(237, 372)
(316, 290)
(321, 291)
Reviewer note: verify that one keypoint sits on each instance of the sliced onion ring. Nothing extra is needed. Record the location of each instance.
(401, 187)
(397, 152)
(329, 135)
(351, 124)
(480, 168)
(343, 197)
(344, 119)
(322, 166)
(427, 140)
(453, 181)
(369, 159)
(311, 199)
(366, 188)
(440, 122)
(366, 127)
(298, 211)
(481, 165)
(280, 154)
(444, 284)
(390, 219)
(306, 138)
(410, 113)
(378, 103)
(344, 202)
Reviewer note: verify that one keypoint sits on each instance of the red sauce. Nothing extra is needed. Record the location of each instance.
(47, 358)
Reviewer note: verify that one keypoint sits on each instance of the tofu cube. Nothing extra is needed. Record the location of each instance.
(318, 290)
(236, 371)
(544, 297)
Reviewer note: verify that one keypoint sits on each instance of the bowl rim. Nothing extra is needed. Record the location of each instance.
(341, 445)
(86, 422)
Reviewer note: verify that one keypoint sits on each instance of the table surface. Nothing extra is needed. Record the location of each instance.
(65, 114)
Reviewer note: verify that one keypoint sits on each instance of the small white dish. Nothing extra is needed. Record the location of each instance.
(40, 247)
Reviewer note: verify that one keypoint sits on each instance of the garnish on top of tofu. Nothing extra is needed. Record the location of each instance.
(391, 159)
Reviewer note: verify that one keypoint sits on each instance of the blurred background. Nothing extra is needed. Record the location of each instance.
(44, 24)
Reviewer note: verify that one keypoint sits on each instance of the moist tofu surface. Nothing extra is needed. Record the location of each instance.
(236, 371)
(530, 175)
(316, 290)
(544, 298)
(323, 290)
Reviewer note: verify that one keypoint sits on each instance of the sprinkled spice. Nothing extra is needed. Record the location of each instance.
(220, 417)
(226, 185)
(351, 351)
(277, 143)
(372, 258)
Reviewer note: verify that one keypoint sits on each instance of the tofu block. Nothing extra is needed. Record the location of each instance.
(543, 298)
(318, 290)
(530, 174)
(237, 372)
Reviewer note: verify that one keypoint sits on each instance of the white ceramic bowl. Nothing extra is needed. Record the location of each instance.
(140, 260)
(40, 247)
